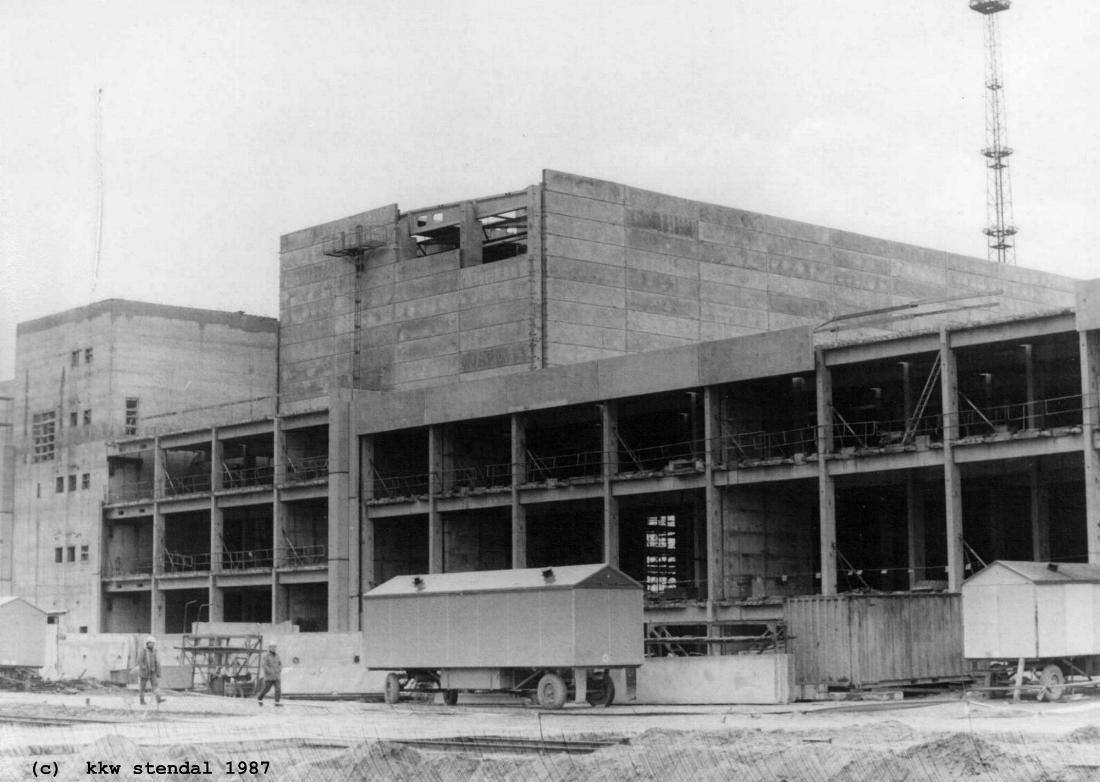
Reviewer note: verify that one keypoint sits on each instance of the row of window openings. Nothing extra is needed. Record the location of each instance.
(59, 486)
(44, 428)
(74, 357)
(68, 554)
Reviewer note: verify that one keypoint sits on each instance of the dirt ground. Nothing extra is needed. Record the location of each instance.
(82, 735)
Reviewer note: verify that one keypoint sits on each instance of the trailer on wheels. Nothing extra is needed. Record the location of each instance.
(551, 634)
(1033, 627)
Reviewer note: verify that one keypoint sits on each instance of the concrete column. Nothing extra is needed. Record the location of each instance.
(215, 610)
(472, 236)
(536, 277)
(217, 534)
(713, 448)
(156, 608)
(435, 518)
(907, 389)
(952, 483)
(1029, 373)
(366, 524)
(1090, 392)
(355, 542)
(1040, 514)
(217, 459)
(339, 443)
(609, 430)
(519, 477)
(914, 511)
(826, 489)
(158, 470)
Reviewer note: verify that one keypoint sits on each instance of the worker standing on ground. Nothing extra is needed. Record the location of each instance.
(149, 671)
(272, 673)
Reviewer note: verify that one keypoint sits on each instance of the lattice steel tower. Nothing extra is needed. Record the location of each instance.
(998, 184)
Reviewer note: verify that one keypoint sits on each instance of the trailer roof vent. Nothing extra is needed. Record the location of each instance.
(548, 574)
(1052, 566)
(418, 582)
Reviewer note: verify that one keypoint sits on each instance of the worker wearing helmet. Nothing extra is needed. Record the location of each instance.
(149, 670)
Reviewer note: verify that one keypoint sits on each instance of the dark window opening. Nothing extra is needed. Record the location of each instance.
(87, 417)
(43, 427)
(72, 482)
(433, 241)
(59, 484)
(86, 481)
(71, 552)
(74, 358)
(73, 418)
(504, 235)
(87, 355)
(83, 553)
(131, 416)
(58, 555)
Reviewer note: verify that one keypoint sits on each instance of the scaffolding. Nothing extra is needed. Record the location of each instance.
(223, 664)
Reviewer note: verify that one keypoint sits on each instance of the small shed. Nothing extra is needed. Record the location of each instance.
(560, 617)
(23, 640)
(1032, 610)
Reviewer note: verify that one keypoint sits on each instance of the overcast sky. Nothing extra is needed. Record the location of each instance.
(227, 124)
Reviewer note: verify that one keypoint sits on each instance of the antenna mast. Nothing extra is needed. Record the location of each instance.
(998, 185)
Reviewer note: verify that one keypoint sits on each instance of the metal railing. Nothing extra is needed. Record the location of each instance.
(304, 556)
(764, 445)
(862, 435)
(1053, 413)
(482, 476)
(392, 487)
(585, 464)
(249, 559)
(186, 484)
(175, 562)
(668, 457)
(244, 477)
(311, 468)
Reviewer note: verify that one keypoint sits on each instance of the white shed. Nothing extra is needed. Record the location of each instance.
(1032, 610)
(22, 634)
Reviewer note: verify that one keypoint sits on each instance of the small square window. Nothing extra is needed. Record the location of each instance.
(87, 417)
(72, 482)
(73, 418)
(60, 483)
(74, 358)
(71, 551)
(87, 355)
(84, 628)
(51, 620)
(58, 555)
(83, 553)
(86, 480)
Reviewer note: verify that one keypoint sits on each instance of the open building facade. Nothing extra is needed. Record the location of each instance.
(730, 407)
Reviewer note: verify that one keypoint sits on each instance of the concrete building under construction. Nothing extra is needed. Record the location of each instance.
(732, 408)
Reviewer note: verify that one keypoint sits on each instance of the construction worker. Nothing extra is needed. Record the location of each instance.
(271, 672)
(149, 670)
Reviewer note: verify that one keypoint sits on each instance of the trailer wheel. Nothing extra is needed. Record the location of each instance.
(601, 691)
(552, 691)
(392, 690)
(450, 697)
(1053, 682)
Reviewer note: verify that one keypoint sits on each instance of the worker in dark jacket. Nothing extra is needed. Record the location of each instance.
(149, 670)
(271, 672)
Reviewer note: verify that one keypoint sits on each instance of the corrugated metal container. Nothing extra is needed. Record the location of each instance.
(579, 616)
(1032, 610)
(23, 640)
(867, 640)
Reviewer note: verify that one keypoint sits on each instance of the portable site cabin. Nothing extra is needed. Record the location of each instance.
(504, 630)
(23, 640)
(1032, 610)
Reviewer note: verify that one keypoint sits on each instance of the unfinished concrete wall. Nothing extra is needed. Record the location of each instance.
(81, 367)
(768, 538)
(422, 320)
(630, 270)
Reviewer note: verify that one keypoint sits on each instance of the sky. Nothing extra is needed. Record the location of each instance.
(157, 150)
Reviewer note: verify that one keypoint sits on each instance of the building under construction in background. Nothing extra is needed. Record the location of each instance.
(732, 408)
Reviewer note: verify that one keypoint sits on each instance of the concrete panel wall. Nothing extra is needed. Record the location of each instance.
(422, 320)
(670, 271)
(768, 535)
(751, 679)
